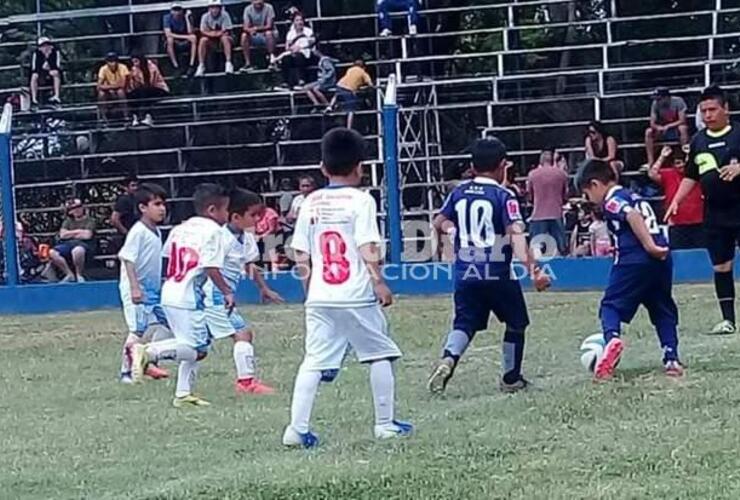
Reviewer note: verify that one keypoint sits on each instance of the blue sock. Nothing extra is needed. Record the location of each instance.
(611, 323)
(457, 342)
(668, 336)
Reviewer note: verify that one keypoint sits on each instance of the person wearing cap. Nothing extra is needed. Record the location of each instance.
(258, 30)
(215, 28)
(46, 65)
(667, 121)
(112, 81)
(75, 242)
(179, 35)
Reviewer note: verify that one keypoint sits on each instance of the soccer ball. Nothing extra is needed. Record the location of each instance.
(591, 349)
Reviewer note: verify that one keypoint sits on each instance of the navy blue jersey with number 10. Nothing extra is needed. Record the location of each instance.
(482, 210)
(618, 203)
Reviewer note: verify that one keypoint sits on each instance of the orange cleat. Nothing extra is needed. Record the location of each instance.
(156, 373)
(609, 360)
(253, 386)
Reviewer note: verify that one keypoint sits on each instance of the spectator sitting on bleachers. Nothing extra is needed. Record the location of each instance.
(267, 229)
(297, 56)
(258, 30)
(124, 214)
(215, 28)
(306, 185)
(667, 121)
(547, 187)
(601, 145)
(346, 97)
(112, 81)
(46, 65)
(685, 229)
(180, 36)
(286, 196)
(145, 86)
(384, 9)
(76, 242)
(326, 81)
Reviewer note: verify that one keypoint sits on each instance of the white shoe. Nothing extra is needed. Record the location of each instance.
(135, 122)
(201, 71)
(126, 379)
(229, 68)
(148, 120)
(394, 430)
(293, 438)
(413, 30)
(386, 32)
(80, 278)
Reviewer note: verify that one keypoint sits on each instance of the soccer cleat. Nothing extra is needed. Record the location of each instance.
(190, 401)
(440, 376)
(253, 386)
(126, 379)
(397, 429)
(139, 362)
(520, 385)
(293, 438)
(156, 373)
(674, 369)
(724, 327)
(604, 369)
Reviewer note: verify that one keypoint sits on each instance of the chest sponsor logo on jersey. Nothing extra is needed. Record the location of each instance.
(716, 145)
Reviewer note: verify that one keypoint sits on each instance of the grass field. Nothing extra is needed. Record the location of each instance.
(68, 430)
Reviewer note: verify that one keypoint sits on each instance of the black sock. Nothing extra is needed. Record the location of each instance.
(513, 354)
(724, 284)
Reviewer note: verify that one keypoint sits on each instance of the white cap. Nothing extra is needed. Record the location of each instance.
(43, 41)
(175, 5)
(215, 3)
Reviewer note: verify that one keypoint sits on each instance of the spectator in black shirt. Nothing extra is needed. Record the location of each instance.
(713, 163)
(46, 65)
(124, 212)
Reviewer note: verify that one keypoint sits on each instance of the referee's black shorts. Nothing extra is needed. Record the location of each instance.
(722, 241)
(687, 237)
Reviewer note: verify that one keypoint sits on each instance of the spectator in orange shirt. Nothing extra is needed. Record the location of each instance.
(267, 229)
(346, 98)
(146, 85)
(112, 82)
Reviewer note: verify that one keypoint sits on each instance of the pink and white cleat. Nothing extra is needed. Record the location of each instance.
(609, 360)
(156, 373)
(253, 386)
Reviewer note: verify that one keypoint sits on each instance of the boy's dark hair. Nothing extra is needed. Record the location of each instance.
(714, 92)
(342, 150)
(488, 154)
(240, 200)
(206, 195)
(148, 192)
(129, 179)
(594, 170)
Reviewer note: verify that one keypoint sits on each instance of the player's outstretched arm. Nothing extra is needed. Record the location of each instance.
(371, 255)
(683, 191)
(266, 293)
(637, 223)
(522, 252)
(214, 274)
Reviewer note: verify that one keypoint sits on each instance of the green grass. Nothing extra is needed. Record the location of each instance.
(68, 430)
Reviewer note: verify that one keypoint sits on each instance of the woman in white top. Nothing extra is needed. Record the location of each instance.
(298, 45)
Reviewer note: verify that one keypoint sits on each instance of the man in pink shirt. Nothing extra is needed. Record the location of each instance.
(547, 188)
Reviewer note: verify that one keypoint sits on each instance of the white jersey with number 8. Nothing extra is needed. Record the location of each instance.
(191, 247)
(332, 225)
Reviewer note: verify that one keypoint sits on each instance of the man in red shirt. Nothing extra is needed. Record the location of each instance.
(686, 229)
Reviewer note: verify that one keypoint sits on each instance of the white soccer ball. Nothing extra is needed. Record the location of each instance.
(591, 350)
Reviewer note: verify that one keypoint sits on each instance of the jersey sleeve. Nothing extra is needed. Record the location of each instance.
(251, 250)
(617, 208)
(167, 247)
(213, 253)
(301, 241)
(131, 247)
(448, 207)
(692, 168)
(512, 213)
(366, 224)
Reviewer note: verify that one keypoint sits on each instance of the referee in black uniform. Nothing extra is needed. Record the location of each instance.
(713, 162)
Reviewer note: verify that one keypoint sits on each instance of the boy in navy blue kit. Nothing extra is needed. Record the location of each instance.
(488, 230)
(642, 273)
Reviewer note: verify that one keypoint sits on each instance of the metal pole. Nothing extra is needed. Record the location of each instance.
(6, 178)
(392, 178)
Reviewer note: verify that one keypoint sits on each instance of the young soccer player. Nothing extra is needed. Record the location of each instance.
(642, 272)
(196, 253)
(141, 275)
(240, 248)
(336, 243)
(488, 230)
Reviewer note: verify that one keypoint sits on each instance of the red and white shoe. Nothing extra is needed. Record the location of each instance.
(253, 386)
(156, 373)
(609, 359)
(674, 369)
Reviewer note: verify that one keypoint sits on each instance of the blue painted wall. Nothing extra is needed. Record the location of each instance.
(411, 279)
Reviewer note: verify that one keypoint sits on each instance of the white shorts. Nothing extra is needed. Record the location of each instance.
(221, 324)
(330, 330)
(189, 326)
(140, 317)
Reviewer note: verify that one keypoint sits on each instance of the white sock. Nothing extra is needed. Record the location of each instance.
(244, 360)
(170, 350)
(304, 393)
(126, 353)
(382, 382)
(187, 373)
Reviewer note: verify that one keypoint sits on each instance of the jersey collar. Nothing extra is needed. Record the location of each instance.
(613, 190)
(719, 133)
(485, 180)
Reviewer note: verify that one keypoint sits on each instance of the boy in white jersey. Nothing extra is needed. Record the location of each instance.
(141, 275)
(241, 252)
(336, 243)
(196, 253)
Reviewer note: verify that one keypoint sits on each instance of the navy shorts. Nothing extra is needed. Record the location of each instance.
(65, 249)
(476, 300)
(348, 100)
(650, 284)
